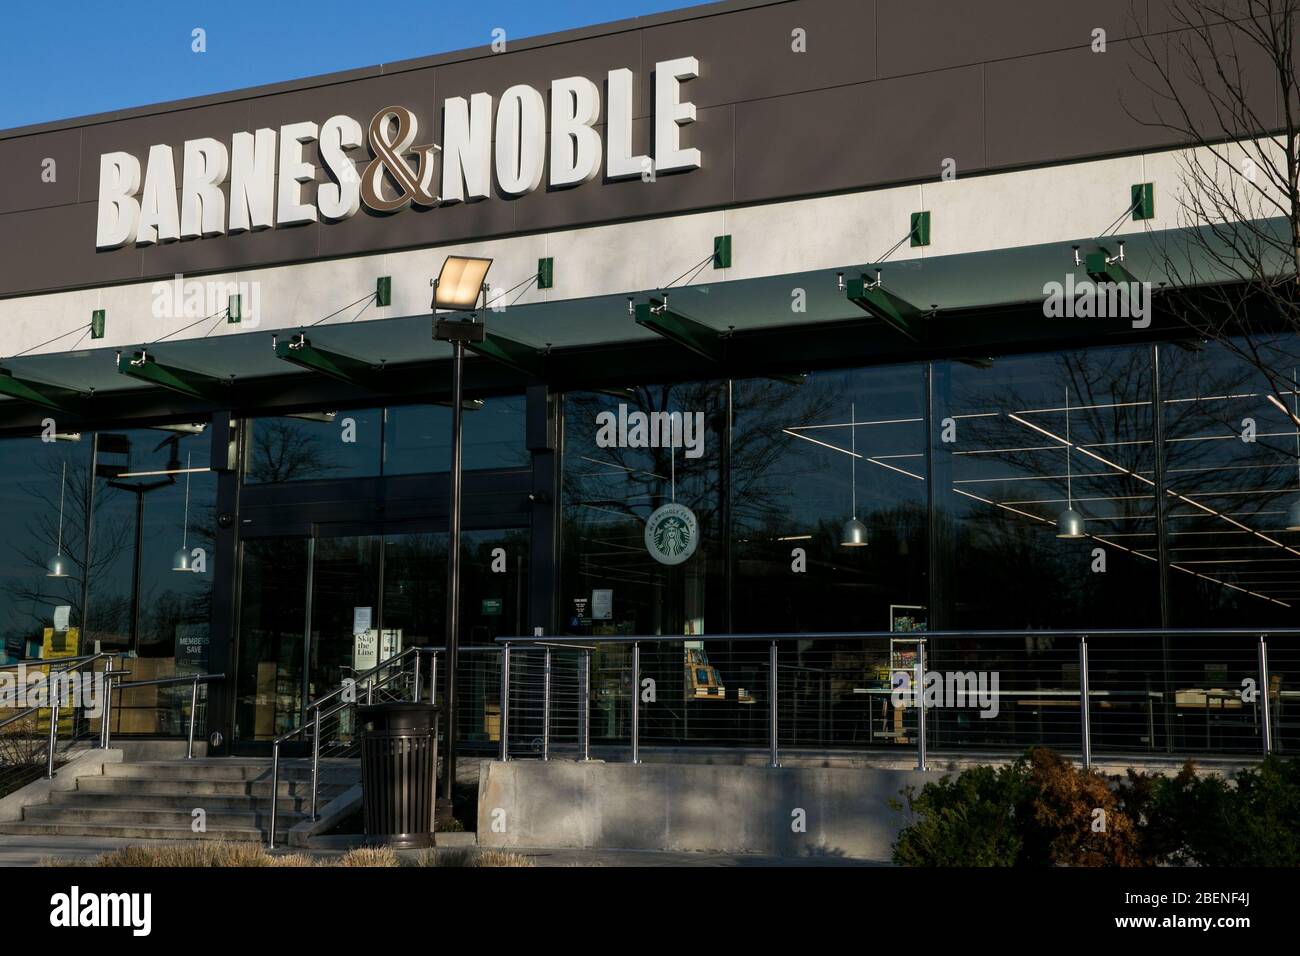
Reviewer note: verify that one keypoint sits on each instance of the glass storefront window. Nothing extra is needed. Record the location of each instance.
(154, 498)
(402, 440)
(621, 464)
(1018, 442)
(313, 446)
(35, 476)
(417, 438)
(803, 456)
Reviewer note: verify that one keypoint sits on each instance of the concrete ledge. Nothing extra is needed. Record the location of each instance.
(724, 809)
(89, 763)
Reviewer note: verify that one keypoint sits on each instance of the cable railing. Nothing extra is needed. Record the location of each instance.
(1227, 691)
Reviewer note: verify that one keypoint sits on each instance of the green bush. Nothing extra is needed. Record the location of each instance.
(1252, 819)
(1041, 810)
(975, 819)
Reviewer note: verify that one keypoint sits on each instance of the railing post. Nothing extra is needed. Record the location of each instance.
(775, 760)
(275, 792)
(315, 759)
(433, 677)
(54, 732)
(1084, 701)
(546, 706)
(106, 702)
(194, 709)
(919, 697)
(415, 697)
(505, 702)
(1266, 710)
(585, 702)
(636, 702)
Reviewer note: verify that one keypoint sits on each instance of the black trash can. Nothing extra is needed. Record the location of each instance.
(399, 763)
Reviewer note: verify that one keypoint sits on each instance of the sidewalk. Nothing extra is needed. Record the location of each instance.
(17, 851)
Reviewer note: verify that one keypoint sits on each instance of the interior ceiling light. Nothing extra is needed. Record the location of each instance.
(1070, 523)
(854, 532)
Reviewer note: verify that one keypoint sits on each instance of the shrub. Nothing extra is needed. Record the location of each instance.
(1252, 819)
(972, 820)
(1039, 810)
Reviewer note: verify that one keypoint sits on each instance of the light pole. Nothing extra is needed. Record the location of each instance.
(457, 287)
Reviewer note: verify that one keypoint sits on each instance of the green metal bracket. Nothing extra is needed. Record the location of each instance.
(1142, 197)
(299, 351)
(722, 252)
(545, 273)
(146, 368)
(234, 310)
(699, 338)
(509, 352)
(1099, 270)
(55, 399)
(894, 310)
(97, 324)
(920, 229)
(384, 291)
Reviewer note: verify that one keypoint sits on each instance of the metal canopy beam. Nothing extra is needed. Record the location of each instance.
(874, 298)
(299, 351)
(145, 368)
(509, 352)
(686, 332)
(53, 398)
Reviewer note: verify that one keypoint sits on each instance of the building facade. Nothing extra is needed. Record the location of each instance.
(786, 265)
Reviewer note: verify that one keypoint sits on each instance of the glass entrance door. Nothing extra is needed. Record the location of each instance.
(315, 611)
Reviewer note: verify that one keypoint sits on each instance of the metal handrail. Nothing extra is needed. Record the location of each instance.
(57, 665)
(1091, 632)
(193, 680)
(315, 723)
(51, 661)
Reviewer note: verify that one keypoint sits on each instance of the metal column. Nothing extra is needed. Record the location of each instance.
(919, 697)
(1085, 720)
(636, 702)
(775, 759)
(1266, 710)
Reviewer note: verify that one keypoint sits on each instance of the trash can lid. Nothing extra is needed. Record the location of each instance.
(398, 715)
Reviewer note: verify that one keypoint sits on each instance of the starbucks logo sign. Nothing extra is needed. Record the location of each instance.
(672, 534)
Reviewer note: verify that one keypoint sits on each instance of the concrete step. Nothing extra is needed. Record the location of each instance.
(183, 801)
(147, 816)
(139, 832)
(225, 770)
(182, 785)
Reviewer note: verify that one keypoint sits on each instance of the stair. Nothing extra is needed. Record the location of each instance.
(156, 800)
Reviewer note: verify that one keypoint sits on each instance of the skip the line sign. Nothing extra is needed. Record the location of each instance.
(482, 141)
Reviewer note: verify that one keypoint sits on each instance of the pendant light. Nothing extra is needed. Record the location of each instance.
(1293, 513)
(854, 532)
(1070, 523)
(58, 566)
(181, 559)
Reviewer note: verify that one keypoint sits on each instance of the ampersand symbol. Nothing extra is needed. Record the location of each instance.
(390, 156)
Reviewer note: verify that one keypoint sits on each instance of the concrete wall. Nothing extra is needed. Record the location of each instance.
(681, 807)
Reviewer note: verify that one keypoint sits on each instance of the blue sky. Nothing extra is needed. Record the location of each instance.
(86, 56)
